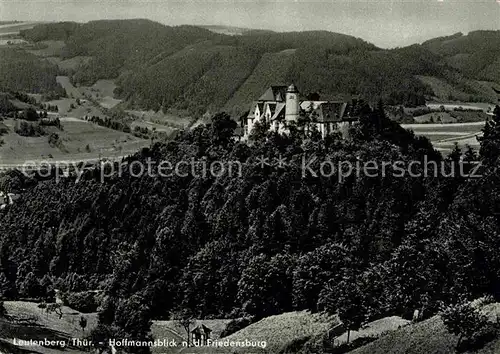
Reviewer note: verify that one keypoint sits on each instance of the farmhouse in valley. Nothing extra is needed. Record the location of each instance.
(280, 107)
(200, 335)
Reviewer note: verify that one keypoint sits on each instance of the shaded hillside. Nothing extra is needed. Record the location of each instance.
(50, 31)
(21, 71)
(476, 55)
(197, 78)
(197, 70)
(272, 69)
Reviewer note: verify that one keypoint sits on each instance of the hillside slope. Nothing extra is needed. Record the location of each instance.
(198, 70)
(427, 337)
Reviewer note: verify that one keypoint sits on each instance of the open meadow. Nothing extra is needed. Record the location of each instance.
(25, 320)
(80, 139)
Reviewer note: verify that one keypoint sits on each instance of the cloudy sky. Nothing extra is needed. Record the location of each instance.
(386, 23)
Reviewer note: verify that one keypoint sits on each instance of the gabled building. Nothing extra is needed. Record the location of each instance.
(280, 107)
(200, 335)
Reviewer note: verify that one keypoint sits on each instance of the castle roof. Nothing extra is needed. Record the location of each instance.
(255, 104)
(271, 105)
(274, 93)
(279, 111)
(330, 111)
(311, 105)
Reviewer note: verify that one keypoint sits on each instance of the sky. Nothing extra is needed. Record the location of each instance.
(386, 23)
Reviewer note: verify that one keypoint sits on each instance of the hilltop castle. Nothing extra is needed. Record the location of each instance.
(280, 106)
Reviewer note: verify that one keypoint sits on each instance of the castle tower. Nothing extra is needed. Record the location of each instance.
(292, 108)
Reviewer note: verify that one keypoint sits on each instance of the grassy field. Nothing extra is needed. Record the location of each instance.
(27, 321)
(427, 337)
(171, 330)
(279, 330)
(49, 49)
(159, 120)
(76, 135)
(102, 92)
(69, 64)
(71, 90)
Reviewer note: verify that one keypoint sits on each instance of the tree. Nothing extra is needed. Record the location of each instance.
(30, 286)
(314, 269)
(222, 129)
(490, 141)
(42, 306)
(463, 320)
(56, 308)
(83, 323)
(3, 310)
(30, 114)
(346, 298)
(184, 317)
(265, 287)
(7, 288)
(259, 130)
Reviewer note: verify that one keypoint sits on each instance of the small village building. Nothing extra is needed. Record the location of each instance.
(279, 107)
(200, 335)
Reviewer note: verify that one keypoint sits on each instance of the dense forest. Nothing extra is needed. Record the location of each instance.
(22, 71)
(273, 239)
(190, 68)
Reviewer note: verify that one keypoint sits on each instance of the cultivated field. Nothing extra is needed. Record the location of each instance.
(444, 136)
(162, 122)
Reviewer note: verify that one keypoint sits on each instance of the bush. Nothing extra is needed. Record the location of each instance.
(30, 114)
(29, 129)
(479, 339)
(82, 301)
(464, 321)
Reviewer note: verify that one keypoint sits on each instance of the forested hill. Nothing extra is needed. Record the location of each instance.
(476, 55)
(192, 68)
(275, 238)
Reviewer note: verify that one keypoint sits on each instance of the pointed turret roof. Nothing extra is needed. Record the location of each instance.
(292, 89)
